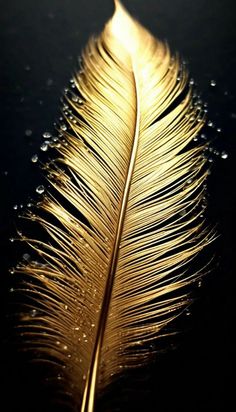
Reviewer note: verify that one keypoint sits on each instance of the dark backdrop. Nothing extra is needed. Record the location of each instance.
(40, 43)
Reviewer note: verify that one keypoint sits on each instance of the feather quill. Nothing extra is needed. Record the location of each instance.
(116, 269)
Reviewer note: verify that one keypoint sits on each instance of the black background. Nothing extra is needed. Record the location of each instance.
(40, 43)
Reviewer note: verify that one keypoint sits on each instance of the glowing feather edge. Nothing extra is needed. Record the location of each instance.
(112, 270)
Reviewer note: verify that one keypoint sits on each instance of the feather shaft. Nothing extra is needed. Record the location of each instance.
(91, 381)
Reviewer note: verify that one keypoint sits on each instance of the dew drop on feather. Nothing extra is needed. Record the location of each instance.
(26, 256)
(33, 313)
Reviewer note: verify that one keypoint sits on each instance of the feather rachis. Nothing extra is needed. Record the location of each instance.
(111, 271)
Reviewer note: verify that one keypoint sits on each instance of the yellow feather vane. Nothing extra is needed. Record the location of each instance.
(125, 219)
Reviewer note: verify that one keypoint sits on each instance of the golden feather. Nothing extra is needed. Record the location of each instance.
(116, 267)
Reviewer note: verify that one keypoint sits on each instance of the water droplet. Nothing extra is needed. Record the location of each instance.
(84, 377)
(191, 82)
(80, 101)
(195, 139)
(29, 204)
(75, 98)
(51, 15)
(12, 271)
(47, 135)
(210, 124)
(66, 307)
(93, 325)
(63, 127)
(210, 160)
(213, 83)
(199, 284)
(65, 347)
(84, 335)
(40, 189)
(12, 239)
(219, 130)
(58, 342)
(12, 290)
(182, 213)
(34, 158)
(188, 313)
(33, 313)
(15, 207)
(28, 132)
(203, 136)
(49, 82)
(44, 147)
(224, 155)
(77, 328)
(26, 256)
